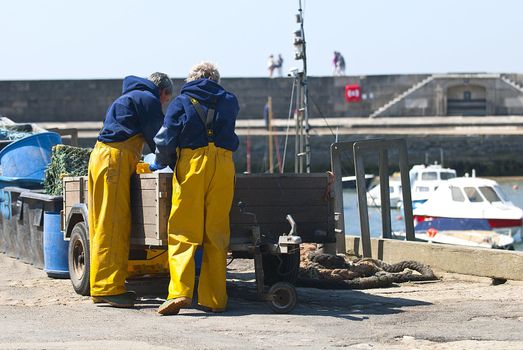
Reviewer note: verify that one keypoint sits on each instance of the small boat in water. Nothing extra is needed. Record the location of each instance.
(464, 232)
(474, 199)
(350, 181)
(424, 180)
(374, 194)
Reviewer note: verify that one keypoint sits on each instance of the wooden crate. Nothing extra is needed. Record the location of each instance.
(150, 205)
(74, 192)
(150, 208)
(270, 196)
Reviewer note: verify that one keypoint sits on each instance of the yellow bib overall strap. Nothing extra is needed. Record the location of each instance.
(109, 204)
(206, 119)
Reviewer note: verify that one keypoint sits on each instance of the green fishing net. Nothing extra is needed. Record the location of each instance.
(65, 161)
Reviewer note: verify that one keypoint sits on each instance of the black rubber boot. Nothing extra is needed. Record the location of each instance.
(124, 300)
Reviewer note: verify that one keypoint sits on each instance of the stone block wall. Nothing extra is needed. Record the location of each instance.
(489, 155)
(88, 100)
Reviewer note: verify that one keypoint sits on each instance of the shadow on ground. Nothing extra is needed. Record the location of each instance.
(354, 305)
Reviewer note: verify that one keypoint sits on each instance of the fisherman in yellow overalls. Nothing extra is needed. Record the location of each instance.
(197, 140)
(133, 119)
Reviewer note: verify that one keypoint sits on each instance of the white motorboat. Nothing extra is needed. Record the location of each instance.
(424, 180)
(475, 199)
(374, 194)
(350, 181)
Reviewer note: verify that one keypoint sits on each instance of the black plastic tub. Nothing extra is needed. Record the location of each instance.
(11, 211)
(31, 240)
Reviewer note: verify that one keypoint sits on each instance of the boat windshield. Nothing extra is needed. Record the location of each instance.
(501, 193)
(473, 194)
(429, 175)
(490, 194)
(447, 175)
(457, 195)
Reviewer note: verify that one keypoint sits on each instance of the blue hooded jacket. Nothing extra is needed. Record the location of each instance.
(137, 111)
(184, 128)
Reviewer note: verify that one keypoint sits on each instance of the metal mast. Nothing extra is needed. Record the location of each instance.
(302, 145)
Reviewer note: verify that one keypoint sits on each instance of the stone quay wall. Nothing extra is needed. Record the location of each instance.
(88, 100)
(488, 155)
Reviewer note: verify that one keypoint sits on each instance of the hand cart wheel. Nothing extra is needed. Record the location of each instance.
(282, 297)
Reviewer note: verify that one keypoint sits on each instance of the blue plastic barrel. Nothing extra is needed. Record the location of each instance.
(55, 247)
(28, 157)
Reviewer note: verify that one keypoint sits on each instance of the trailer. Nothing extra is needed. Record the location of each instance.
(271, 215)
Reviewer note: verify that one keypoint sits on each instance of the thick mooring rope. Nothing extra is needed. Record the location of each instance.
(328, 271)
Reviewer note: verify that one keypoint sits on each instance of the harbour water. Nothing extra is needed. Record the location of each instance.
(513, 188)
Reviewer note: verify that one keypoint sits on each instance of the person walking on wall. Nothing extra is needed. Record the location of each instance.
(338, 64)
(132, 120)
(341, 64)
(335, 63)
(197, 140)
(278, 65)
(271, 65)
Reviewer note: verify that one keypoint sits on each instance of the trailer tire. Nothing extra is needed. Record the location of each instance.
(79, 259)
(281, 268)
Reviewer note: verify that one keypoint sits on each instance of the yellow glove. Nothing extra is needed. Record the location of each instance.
(143, 168)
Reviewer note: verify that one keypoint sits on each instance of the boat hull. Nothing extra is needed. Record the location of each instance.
(493, 223)
(510, 227)
(477, 239)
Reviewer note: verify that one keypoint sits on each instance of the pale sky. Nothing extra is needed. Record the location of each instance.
(67, 39)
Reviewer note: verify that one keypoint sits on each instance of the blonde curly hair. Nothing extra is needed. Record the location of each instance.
(204, 70)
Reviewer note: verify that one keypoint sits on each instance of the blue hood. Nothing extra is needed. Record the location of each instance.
(137, 111)
(132, 83)
(183, 127)
(206, 91)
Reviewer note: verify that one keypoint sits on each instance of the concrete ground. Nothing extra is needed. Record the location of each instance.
(457, 312)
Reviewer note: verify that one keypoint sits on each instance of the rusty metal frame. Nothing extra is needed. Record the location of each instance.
(359, 149)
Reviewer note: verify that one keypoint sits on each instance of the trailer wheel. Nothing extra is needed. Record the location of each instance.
(281, 268)
(282, 297)
(79, 262)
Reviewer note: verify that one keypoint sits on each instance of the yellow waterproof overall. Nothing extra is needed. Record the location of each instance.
(203, 190)
(109, 202)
